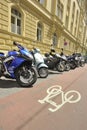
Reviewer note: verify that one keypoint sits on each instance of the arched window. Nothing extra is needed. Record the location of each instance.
(54, 40)
(15, 21)
(39, 31)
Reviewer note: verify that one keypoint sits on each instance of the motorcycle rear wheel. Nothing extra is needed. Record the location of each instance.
(26, 77)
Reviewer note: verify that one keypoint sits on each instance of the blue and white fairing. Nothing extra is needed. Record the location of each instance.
(15, 59)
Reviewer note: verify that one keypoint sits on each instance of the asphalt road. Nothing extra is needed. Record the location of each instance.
(58, 102)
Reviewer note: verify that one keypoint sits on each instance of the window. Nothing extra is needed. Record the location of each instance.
(73, 15)
(15, 21)
(59, 9)
(55, 39)
(41, 1)
(67, 13)
(39, 32)
(76, 23)
(71, 27)
(67, 21)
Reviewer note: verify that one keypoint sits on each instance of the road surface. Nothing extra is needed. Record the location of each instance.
(58, 102)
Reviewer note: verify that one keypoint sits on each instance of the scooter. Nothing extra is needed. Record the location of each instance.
(18, 65)
(41, 67)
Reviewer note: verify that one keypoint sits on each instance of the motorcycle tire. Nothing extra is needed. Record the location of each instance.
(67, 67)
(26, 78)
(60, 67)
(43, 72)
(82, 64)
(72, 65)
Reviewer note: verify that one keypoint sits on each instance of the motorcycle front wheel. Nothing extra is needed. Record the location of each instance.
(43, 72)
(72, 65)
(67, 67)
(82, 64)
(60, 67)
(25, 76)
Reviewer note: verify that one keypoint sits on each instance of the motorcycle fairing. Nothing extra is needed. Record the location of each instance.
(15, 63)
(42, 65)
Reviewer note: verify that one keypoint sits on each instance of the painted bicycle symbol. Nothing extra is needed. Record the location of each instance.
(71, 96)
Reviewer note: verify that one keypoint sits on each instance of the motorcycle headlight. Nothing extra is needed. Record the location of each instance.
(76, 58)
(30, 56)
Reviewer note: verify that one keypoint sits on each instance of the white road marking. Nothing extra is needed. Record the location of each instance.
(71, 96)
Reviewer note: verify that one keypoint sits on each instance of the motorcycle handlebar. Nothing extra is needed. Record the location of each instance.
(15, 43)
(18, 45)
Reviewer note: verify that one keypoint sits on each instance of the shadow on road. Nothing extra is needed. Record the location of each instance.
(11, 83)
(55, 72)
(4, 83)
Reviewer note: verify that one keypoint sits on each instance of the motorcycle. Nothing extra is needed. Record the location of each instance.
(41, 67)
(81, 60)
(54, 61)
(18, 65)
(66, 62)
(74, 61)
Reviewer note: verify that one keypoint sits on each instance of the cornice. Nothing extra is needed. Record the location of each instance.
(57, 21)
(69, 35)
(43, 13)
(38, 8)
(16, 1)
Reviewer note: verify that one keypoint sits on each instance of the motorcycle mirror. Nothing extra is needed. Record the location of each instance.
(52, 50)
(14, 43)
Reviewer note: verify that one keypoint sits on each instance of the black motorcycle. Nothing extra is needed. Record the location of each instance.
(74, 60)
(66, 62)
(54, 61)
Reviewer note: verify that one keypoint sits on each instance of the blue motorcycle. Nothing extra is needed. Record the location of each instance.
(18, 65)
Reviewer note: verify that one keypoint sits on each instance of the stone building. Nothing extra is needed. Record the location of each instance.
(42, 23)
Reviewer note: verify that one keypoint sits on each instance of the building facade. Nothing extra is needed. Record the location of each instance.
(42, 23)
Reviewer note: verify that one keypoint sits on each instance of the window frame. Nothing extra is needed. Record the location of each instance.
(39, 31)
(54, 39)
(41, 2)
(59, 11)
(15, 27)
